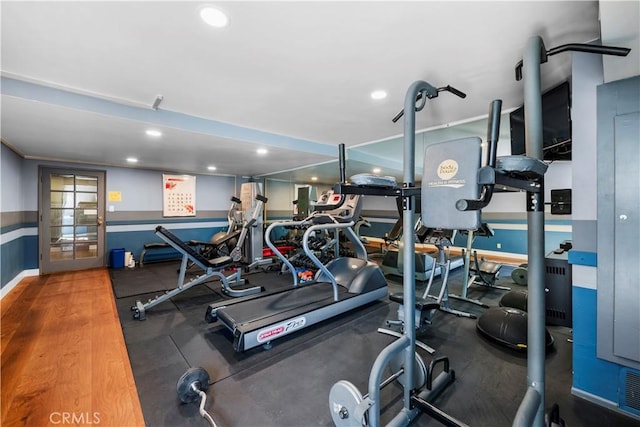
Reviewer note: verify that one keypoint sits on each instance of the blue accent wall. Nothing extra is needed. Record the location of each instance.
(12, 259)
(585, 258)
(30, 252)
(18, 255)
(590, 374)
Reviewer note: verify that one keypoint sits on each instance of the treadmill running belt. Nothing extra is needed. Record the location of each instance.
(280, 305)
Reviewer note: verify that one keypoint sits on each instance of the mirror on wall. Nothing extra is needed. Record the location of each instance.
(385, 157)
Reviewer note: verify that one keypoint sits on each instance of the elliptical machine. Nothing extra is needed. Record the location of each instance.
(478, 272)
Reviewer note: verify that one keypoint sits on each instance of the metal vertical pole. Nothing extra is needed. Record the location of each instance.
(535, 225)
(408, 239)
(343, 179)
(343, 161)
(467, 264)
(408, 242)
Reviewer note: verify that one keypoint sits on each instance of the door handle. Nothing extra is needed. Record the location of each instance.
(99, 221)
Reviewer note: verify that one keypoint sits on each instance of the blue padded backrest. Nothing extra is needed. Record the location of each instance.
(450, 174)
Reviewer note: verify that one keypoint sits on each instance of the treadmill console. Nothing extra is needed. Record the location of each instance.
(329, 201)
(342, 207)
(435, 236)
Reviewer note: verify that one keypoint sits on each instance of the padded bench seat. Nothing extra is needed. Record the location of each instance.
(522, 167)
(220, 261)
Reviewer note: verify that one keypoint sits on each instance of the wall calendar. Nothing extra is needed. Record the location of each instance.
(179, 195)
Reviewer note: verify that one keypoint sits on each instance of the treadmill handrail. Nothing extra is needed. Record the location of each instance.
(314, 259)
(275, 250)
(287, 223)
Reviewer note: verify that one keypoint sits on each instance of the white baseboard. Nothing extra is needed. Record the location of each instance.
(13, 283)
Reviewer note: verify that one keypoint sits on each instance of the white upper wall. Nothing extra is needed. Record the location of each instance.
(619, 25)
(10, 181)
(141, 190)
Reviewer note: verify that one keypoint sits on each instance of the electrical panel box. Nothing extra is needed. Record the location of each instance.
(561, 202)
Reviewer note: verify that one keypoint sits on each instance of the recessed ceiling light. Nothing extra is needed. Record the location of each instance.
(214, 17)
(262, 151)
(377, 170)
(212, 168)
(314, 178)
(153, 132)
(132, 160)
(378, 94)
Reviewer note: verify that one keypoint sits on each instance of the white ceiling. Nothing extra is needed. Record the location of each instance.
(79, 78)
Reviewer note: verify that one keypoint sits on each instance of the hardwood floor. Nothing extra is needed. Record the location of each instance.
(63, 355)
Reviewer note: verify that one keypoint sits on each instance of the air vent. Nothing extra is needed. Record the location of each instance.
(631, 389)
(559, 271)
(556, 314)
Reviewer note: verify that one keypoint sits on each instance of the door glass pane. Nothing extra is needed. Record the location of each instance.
(61, 252)
(86, 250)
(86, 216)
(61, 182)
(61, 199)
(55, 216)
(61, 234)
(86, 200)
(84, 233)
(63, 217)
(56, 234)
(87, 183)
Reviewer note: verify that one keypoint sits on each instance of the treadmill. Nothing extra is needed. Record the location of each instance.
(344, 284)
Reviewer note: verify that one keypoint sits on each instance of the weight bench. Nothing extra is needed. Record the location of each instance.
(211, 268)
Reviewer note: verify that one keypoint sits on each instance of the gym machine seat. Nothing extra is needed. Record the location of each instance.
(487, 270)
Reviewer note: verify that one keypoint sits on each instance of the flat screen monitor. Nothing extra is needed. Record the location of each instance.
(556, 124)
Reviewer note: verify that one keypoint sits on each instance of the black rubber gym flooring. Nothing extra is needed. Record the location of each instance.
(288, 385)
